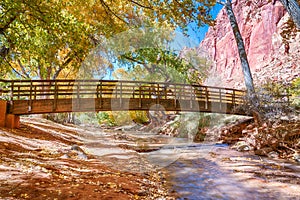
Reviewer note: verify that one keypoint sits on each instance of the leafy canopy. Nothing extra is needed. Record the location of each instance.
(50, 39)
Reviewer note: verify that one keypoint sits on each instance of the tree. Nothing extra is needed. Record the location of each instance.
(155, 50)
(43, 38)
(241, 47)
(293, 8)
(50, 39)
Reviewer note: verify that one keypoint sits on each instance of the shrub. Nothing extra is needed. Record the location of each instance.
(295, 92)
(273, 100)
(105, 118)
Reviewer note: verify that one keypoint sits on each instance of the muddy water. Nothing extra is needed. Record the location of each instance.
(198, 171)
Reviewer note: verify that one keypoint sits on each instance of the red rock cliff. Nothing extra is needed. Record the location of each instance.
(260, 23)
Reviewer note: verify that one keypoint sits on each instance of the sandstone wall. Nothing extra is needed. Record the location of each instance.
(260, 24)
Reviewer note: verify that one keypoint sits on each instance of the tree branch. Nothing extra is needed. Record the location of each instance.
(220, 2)
(57, 73)
(133, 60)
(107, 8)
(16, 71)
(39, 72)
(140, 5)
(2, 29)
(23, 70)
(61, 68)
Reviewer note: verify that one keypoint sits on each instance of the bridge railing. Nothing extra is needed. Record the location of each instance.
(70, 89)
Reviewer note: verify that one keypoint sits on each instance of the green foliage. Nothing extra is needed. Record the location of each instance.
(275, 100)
(295, 89)
(50, 39)
(139, 117)
(274, 91)
(295, 92)
(44, 38)
(160, 65)
(105, 118)
(148, 55)
(189, 124)
(273, 88)
(119, 118)
(89, 118)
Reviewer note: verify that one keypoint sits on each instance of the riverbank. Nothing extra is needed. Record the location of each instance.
(278, 138)
(45, 160)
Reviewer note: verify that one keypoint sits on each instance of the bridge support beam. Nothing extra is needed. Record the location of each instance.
(8, 120)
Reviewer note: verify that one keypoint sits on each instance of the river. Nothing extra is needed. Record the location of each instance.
(197, 170)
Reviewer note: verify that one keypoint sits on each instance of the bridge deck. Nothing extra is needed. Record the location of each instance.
(53, 96)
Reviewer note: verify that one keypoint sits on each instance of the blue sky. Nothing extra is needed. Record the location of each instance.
(197, 34)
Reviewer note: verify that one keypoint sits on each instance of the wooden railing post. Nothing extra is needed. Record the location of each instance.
(55, 95)
(233, 98)
(97, 91)
(133, 91)
(12, 95)
(19, 93)
(30, 97)
(121, 85)
(180, 93)
(206, 98)
(220, 97)
(140, 99)
(116, 91)
(158, 95)
(78, 89)
(100, 94)
(191, 97)
(78, 95)
(35, 93)
(166, 91)
(12, 91)
(175, 96)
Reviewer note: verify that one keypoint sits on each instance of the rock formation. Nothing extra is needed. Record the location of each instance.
(261, 24)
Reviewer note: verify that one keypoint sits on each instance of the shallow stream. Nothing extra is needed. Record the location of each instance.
(198, 170)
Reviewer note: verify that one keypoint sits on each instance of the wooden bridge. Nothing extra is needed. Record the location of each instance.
(24, 97)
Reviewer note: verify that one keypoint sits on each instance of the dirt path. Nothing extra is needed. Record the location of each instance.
(44, 160)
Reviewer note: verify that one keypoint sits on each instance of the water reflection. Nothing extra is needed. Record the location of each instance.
(216, 176)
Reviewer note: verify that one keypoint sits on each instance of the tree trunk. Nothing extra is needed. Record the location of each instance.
(254, 101)
(241, 48)
(293, 8)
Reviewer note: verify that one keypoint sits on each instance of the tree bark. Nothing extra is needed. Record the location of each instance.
(254, 101)
(241, 48)
(293, 8)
